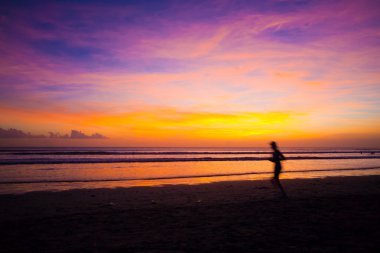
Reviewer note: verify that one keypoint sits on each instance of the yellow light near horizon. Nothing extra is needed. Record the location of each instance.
(158, 123)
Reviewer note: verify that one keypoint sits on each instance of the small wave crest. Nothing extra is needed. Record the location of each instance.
(158, 153)
(162, 159)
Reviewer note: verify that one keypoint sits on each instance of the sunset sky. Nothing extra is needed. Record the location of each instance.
(192, 73)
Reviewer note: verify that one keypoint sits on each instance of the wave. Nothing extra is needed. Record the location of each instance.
(180, 177)
(157, 160)
(180, 152)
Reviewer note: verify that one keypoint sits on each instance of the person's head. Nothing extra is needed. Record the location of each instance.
(273, 144)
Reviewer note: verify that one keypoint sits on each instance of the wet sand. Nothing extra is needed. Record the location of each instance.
(337, 214)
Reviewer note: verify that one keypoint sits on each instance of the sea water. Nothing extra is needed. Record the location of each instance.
(41, 169)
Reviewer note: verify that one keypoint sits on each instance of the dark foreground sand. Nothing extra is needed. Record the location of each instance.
(322, 215)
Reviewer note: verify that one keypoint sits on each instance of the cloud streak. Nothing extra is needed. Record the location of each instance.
(12, 133)
(76, 60)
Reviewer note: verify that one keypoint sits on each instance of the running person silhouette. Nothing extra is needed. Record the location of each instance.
(277, 157)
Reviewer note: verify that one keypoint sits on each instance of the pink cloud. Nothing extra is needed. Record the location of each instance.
(321, 58)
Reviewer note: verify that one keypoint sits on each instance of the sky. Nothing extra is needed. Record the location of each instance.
(191, 73)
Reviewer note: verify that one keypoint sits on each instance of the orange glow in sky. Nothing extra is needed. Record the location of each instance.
(208, 73)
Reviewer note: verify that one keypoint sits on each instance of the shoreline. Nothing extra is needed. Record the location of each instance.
(243, 186)
(21, 187)
(192, 176)
(222, 216)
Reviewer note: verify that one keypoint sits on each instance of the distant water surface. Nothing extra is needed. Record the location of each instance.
(36, 169)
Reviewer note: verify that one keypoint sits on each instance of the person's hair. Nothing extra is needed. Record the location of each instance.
(273, 144)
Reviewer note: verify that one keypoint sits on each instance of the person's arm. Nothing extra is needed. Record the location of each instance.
(271, 158)
(282, 156)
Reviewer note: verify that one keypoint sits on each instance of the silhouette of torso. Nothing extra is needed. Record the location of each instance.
(277, 157)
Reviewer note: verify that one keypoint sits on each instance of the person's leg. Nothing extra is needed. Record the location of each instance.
(277, 180)
(281, 189)
(276, 176)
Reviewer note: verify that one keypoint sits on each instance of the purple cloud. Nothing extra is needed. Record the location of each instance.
(13, 133)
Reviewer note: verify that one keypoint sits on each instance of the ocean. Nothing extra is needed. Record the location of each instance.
(54, 169)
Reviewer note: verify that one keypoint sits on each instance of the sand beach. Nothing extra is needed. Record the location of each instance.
(335, 214)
